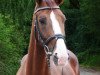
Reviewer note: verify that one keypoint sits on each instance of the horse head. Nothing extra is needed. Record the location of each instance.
(49, 29)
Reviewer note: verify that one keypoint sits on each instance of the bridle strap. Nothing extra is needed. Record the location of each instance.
(46, 7)
(57, 36)
(37, 31)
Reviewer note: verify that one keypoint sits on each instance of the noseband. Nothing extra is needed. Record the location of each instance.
(45, 43)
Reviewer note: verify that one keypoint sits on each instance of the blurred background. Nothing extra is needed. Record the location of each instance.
(82, 31)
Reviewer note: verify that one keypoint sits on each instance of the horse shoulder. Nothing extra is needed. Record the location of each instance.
(22, 69)
(73, 60)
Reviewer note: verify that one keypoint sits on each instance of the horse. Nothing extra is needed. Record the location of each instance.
(48, 54)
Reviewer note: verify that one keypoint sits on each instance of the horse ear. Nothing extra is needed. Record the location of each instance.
(59, 2)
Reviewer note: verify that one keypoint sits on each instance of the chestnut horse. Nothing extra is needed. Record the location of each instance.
(48, 54)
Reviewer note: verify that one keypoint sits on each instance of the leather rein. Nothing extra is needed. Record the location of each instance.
(48, 51)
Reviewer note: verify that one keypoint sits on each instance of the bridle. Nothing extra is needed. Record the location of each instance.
(48, 51)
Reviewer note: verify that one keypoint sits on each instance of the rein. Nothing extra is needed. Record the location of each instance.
(45, 43)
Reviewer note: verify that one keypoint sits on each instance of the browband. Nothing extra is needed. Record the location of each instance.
(43, 8)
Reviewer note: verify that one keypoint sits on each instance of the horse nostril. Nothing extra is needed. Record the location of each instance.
(55, 59)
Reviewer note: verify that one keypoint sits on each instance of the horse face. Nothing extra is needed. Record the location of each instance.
(51, 22)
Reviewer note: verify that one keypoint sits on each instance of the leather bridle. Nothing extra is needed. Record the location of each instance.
(48, 51)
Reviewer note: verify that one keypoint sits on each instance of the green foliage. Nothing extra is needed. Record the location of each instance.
(91, 36)
(15, 25)
(89, 60)
(11, 46)
(83, 31)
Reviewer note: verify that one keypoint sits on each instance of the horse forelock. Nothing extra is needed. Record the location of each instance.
(50, 3)
(54, 2)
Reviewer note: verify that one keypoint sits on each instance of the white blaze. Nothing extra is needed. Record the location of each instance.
(61, 49)
(55, 24)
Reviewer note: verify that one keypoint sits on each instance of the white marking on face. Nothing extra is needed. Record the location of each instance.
(61, 49)
(55, 24)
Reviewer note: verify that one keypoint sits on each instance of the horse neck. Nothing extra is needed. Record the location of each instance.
(36, 63)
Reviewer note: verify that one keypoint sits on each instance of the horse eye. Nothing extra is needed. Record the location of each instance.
(42, 21)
